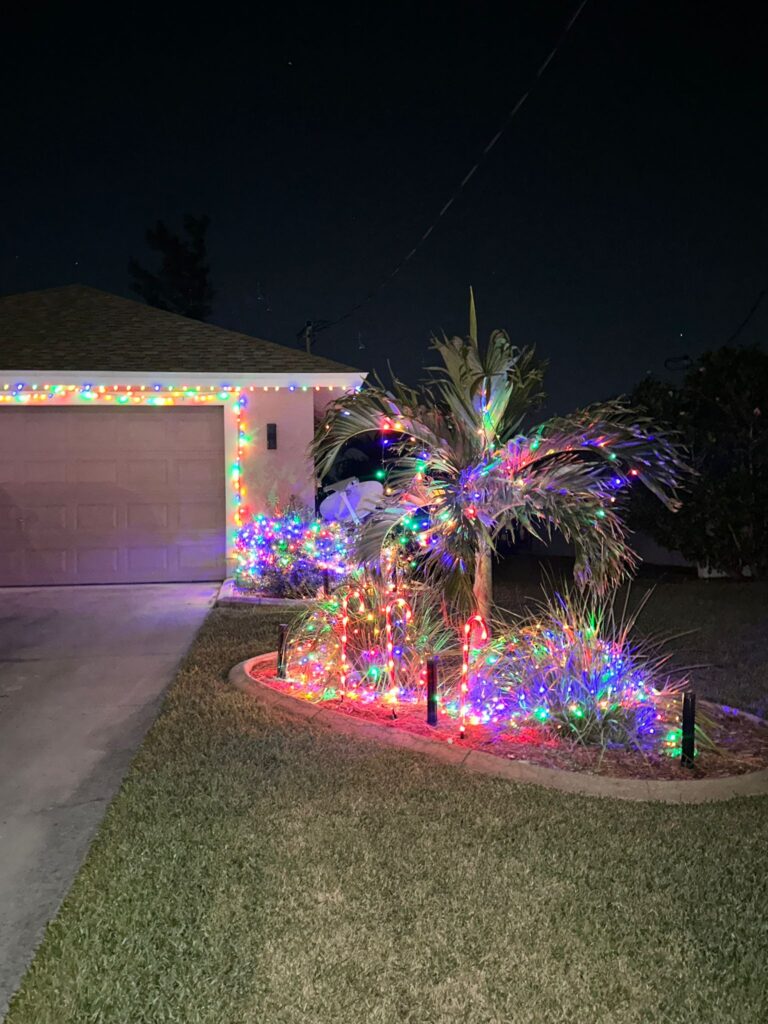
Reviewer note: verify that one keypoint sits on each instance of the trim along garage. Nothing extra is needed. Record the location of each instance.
(133, 442)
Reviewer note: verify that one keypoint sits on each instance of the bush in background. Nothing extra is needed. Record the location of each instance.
(721, 413)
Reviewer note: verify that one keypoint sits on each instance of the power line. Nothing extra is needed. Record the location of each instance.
(748, 317)
(465, 180)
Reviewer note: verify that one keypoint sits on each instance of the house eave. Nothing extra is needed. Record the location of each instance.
(333, 379)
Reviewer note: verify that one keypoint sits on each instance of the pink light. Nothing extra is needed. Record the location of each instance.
(401, 605)
(344, 635)
(474, 624)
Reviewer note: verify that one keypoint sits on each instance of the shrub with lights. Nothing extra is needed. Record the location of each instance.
(291, 554)
(366, 642)
(574, 669)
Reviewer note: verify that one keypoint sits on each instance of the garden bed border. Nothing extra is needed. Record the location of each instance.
(696, 791)
(230, 596)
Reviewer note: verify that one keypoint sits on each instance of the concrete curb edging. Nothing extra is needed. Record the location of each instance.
(230, 597)
(697, 791)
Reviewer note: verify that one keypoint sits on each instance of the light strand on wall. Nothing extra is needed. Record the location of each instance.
(241, 510)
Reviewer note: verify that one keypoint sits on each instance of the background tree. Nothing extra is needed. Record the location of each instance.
(457, 452)
(721, 412)
(182, 284)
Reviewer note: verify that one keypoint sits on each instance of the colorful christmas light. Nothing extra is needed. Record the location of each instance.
(287, 554)
(349, 596)
(401, 606)
(474, 624)
(563, 672)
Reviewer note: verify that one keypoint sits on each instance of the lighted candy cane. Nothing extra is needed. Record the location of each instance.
(401, 604)
(344, 636)
(474, 622)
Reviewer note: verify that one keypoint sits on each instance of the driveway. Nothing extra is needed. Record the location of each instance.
(82, 673)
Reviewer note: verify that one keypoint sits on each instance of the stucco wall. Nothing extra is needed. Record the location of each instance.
(287, 471)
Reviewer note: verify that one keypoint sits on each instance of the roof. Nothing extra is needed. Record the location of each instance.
(82, 328)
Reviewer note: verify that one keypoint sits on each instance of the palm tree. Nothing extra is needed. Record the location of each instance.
(456, 450)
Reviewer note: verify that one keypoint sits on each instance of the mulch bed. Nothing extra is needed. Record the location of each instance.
(740, 744)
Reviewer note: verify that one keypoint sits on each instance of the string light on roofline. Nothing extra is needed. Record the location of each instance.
(153, 394)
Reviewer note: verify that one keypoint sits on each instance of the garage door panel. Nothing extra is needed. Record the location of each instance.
(148, 559)
(94, 471)
(193, 432)
(44, 471)
(153, 511)
(198, 471)
(153, 516)
(51, 562)
(196, 556)
(100, 431)
(97, 517)
(198, 515)
(144, 472)
(45, 517)
(9, 514)
(146, 433)
(97, 562)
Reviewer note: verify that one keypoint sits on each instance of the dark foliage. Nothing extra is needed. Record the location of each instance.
(182, 284)
(721, 412)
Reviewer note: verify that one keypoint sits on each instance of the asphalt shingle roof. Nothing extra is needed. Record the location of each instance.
(82, 328)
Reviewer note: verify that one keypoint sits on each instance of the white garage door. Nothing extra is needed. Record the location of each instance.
(111, 495)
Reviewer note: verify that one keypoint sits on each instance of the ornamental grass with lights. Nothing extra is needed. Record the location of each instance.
(570, 670)
(462, 472)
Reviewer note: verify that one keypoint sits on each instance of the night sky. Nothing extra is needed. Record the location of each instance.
(621, 220)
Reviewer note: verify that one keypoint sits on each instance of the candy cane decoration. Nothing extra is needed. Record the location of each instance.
(473, 623)
(344, 636)
(401, 604)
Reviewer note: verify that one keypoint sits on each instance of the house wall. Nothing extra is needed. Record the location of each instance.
(287, 471)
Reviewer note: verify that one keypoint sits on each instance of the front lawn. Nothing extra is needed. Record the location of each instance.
(254, 870)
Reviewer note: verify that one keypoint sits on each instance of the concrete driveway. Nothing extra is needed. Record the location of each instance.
(82, 673)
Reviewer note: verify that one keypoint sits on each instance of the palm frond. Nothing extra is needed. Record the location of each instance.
(456, 453)
(369, 411)
(617, 437)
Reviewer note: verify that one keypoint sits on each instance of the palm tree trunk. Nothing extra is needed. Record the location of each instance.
(482, 588)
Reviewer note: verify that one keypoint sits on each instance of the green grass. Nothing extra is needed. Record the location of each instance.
(253, 870)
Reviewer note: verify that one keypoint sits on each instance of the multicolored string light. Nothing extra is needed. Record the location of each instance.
(292, 547)
(147, 394)
(405, 614)
(474, 624)
(356, 595)
(548, 676)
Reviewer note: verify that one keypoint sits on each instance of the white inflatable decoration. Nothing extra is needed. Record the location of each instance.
(350, 499)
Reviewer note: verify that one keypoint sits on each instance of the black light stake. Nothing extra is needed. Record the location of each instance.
(688, 745)
(431, 691)
(282, 638)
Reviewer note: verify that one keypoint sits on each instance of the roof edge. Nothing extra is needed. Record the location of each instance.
(268, 379)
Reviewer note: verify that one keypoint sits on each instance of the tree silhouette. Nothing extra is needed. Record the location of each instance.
(459, 454)
(182, 284)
